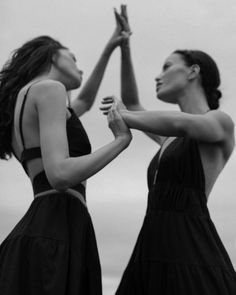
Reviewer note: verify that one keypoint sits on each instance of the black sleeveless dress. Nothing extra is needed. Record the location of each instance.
(52, 250)
(178, 251)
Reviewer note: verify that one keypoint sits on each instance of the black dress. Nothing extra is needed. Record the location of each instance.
(52, 250)
(178, 251)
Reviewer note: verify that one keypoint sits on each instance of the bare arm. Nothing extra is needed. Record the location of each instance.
(62, 170)
(215, 126)
(86, 97)
(129, 89)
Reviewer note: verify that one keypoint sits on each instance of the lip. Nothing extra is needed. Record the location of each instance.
(158, 86)
(81, 78)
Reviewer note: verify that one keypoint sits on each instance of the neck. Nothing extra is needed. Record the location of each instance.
(194, 102)
(52, 74)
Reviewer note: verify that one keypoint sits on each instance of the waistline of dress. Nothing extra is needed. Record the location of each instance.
(69, 191)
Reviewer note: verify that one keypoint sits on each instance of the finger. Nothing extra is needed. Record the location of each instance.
(125, 16)
(104, 109)
(107, 101)
(106, 106)
(118, 20)
(112, 97)
(124, 11)
(123, 23)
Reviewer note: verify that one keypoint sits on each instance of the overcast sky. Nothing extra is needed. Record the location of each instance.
(117, 195)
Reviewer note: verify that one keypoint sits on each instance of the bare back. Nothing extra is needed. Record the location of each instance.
(214, 158)
(30, 129)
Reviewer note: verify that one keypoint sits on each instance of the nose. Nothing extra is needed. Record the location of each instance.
(158, 78)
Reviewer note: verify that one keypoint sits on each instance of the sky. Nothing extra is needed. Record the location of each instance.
(117, 195)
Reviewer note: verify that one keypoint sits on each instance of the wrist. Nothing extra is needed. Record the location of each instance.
(127, 117)
(124, 114)
(123, 140)
(125, 46)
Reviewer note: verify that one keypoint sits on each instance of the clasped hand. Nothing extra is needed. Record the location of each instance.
(112, 107)
(122, 31)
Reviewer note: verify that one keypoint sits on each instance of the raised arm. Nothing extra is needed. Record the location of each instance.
(129, 89)
(87, 95)
(62, 170)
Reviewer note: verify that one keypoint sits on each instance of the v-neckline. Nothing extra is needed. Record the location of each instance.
(161, 152)
(163, 149)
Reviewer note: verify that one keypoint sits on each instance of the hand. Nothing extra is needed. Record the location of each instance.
(121, 33)
(118, 126)
(124, 24)
(110, 101)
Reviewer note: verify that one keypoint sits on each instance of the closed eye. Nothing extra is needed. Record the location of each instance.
(166, 66)
(74, 58)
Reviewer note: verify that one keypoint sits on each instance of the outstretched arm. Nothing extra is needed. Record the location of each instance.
(215, 126)
(87, 95)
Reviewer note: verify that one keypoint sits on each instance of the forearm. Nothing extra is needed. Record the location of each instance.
(89, 91)
(162, 123)
(129, 90)
(73, 170)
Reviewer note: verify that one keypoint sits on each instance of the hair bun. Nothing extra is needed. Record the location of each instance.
(216, 94)
(213, 98)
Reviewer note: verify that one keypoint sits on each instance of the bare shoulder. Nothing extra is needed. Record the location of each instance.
(49, 99)
(47, 89)
(223, 119)
(227, 124)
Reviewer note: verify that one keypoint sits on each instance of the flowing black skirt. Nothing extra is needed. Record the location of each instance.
(52, 250)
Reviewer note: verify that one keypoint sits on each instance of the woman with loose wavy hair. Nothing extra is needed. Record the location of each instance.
(53, 250)
(26, 63)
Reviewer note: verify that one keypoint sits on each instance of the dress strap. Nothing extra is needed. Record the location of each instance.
(21, 114)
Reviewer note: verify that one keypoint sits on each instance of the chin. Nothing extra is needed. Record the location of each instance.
(75, 84)
(166, 97)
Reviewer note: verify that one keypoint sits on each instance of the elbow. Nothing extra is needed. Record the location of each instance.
(58, 179)
(62, 180)
(58, 183)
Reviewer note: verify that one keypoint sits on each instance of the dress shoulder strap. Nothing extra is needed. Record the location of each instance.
(21, 114)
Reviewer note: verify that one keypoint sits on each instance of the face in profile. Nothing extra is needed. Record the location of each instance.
(171, 83)
(65, 63)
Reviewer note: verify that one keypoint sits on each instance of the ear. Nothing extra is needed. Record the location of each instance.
(194, 72)
(54, 57)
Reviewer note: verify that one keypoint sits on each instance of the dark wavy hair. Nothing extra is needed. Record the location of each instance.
(210, 76)
(25, 64)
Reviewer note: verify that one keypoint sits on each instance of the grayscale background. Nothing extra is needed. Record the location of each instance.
(117, 195)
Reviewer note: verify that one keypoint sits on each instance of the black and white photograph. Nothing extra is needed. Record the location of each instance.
(117, 147)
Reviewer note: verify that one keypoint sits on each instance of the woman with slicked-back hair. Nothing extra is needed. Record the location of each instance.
(53, 250)
(178, 250)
